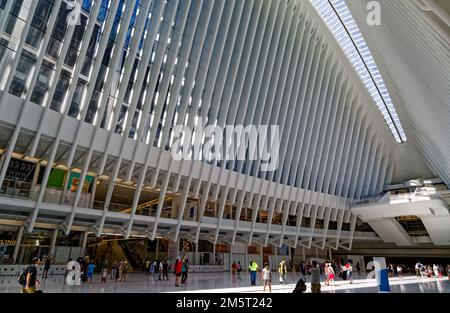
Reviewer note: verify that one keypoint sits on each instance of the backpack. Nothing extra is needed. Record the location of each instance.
(22, 280)
(300, 287)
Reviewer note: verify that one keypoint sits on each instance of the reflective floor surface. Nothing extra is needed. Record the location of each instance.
(225, 283)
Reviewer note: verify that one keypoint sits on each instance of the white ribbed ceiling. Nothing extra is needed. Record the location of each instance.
(413, 46)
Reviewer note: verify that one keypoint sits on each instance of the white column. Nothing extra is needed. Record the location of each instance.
(317, 253)
(196, 255)
(37, 169)
(262, 257)
(18, 240)
(245, 266)
(53, 245)
(83, 245)
(157, 249)
(276, 253)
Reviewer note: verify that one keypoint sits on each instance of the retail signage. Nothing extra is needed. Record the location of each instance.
(7, 242)
(381, 274)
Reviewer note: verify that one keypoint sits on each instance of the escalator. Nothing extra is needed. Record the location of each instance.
(132, 257)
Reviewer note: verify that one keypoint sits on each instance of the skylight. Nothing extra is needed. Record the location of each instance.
(341, 23)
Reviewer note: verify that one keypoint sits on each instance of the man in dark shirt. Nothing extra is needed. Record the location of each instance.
(165, 270)
(48, 262)
(30, 286)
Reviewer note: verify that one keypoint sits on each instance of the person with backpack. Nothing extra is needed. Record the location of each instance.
(28, 279)
(239, 269)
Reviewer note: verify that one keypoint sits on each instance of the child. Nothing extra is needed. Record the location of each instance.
(267, 277)
(104, 275)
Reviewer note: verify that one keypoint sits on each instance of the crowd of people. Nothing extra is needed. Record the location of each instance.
(328, 269)
(83, 269)
(432, 271)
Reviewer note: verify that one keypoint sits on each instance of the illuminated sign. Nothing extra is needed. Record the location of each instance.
(8, 242)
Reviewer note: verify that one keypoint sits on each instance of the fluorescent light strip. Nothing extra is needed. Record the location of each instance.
(342, 25)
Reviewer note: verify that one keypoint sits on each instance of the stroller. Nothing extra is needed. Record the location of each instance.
(300, 287)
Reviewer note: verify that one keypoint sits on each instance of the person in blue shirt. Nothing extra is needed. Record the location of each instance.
(90, 271)
(184, 270)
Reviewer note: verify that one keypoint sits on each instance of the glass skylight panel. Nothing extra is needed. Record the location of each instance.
(343, 27)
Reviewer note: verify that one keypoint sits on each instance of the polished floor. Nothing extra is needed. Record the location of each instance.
(225, 283)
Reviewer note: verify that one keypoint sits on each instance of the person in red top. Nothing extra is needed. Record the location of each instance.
(177, 269)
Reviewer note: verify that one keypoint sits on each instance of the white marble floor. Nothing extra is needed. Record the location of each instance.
(225, 283)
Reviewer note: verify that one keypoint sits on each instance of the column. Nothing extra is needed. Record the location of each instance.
(214, 254)
(93, 191)
(37, 169)
(157, 249)
(18, 241)
(329, 252)
(262, 257)
(53, 244)
(304, 254)
(230, 260)
(196, 256)
(317, 253)
(245, 266)
(65, 186)
(83, 245)
(276, 257)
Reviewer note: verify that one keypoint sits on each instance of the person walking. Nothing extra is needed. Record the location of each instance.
(239, 269)
(417, 268)
(177, 271)
(113, 270)
(399, 270)
(48, 262)
(233, 268)
(165, 270)
(267, 277)
(184, 270)
(315, 278)
(436, 270)
(282, 269)
(90, 272)
(31, 282)
(330, 274)
(104, 275)
(118, 270)
(160, 269)
(124, 271)
(358, 268)
(349, 270)
(152, 268)
(253, 268)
